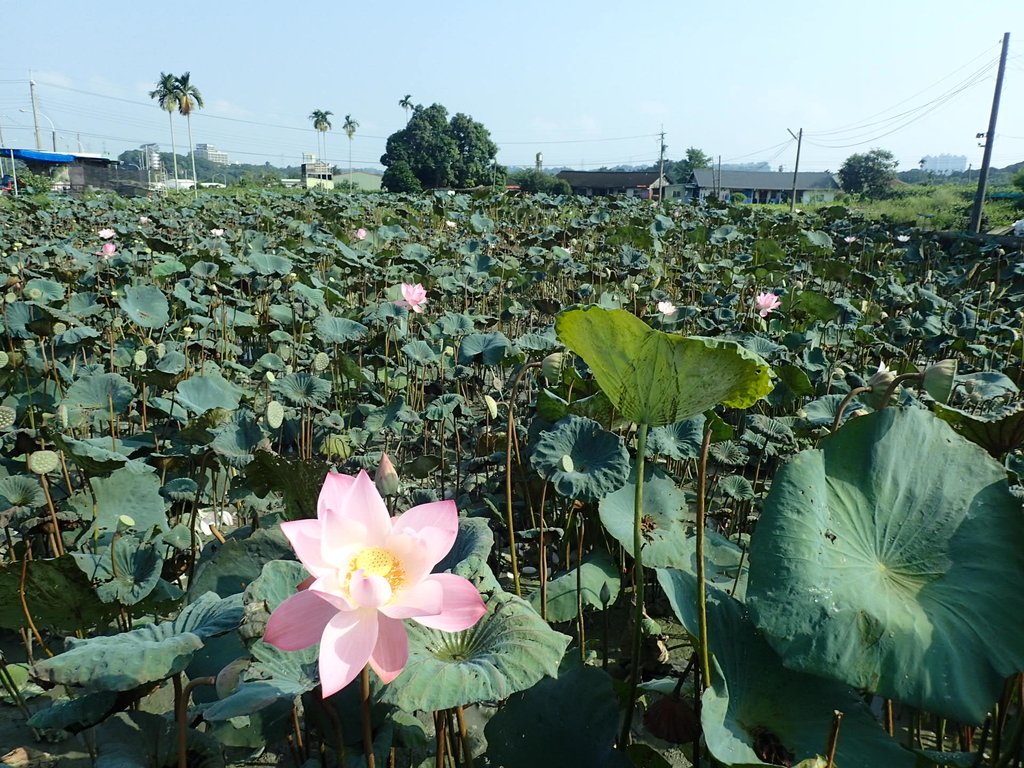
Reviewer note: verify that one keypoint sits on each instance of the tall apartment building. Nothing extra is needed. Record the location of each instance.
(151, 157)
(211, 153)
(943, 165)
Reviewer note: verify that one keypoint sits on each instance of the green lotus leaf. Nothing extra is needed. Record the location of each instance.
(270, 264)
(238, 562)
(124, 492)
(126, 572)
(99, 395)
(94, 455)
(154, 652)
(236, 441)
(202, 393)
(75, 715)
(509, 650)
(822, 412)
(570, 720)
(21, 491)
(736, 487)
(338, 330)
(172, 363)
(998, 431)
(57, 593)
(278, 581)
(487, 348)
(146, 305)
(297, 480)
(597, 464)
(50, 290)
(664, 519)
(754, 699)
(890, 559)
(678, 441)
(596, 573)
(303, 389)
(658, 378)
(132, 739)
(420, 352)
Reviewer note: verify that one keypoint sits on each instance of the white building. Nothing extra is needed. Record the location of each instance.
(943, 165)
(151, 157)
(211, 153)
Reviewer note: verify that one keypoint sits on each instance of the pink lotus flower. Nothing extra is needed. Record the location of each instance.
(850, 239)
(903, 238)
(216, 232)
(360, 234)
(106, 234)
(766, 303)
(413, 297)
(108, 250)
(144, 219)
(369, 571)
(666, 308)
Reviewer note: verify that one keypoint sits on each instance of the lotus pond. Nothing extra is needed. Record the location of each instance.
(471, 480)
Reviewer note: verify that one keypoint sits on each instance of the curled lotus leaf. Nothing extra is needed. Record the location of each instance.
(890, 559)
(146, 306)
(598, 460)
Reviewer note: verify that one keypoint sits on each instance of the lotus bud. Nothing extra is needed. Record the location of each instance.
(938, 380)
(492, 406)
(882, 378)
(386, 478)
(606, 594)
(552, 365)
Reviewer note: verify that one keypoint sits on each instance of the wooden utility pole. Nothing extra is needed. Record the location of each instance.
(661, 167)
(990, 137)
(796, 168)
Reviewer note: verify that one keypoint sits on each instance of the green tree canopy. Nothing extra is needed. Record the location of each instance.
(870, 174)
(678, 172)
(438, 152)
(531, 180)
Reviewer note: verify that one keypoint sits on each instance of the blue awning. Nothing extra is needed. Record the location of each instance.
(33, 155)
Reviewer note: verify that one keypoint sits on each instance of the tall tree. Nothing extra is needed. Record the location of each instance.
(406, 104)
(189, 100)
(321, 124)
(871, 173)
(437, 152)
(350, 130)
(679, 171)
(166, 96)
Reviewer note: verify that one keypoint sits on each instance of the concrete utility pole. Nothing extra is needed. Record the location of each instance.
(796, 168)
(35, 114)
(661, 167)
(990, 137)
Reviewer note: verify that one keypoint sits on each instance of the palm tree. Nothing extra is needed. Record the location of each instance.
(165, 94)
(322, 124)
(406, 104)
(350, 130)
(189, 99)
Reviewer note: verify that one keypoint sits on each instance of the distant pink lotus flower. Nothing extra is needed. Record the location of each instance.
(144, 219)
(108, 250)
(903, 238)
(106, 234)
(766, 303)
(360, 234)
(450, 224)
(666, 308)
(369, 571)
(216, 232)
(413, 297)
(850, 239)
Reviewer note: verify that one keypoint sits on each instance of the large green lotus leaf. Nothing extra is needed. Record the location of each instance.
(238, 562)
(75, 715)
(146, 305)
(154, 652)
(998, 431)
(278, 581)
(98, 394)
(202, 393)
(890, 559)
(678, 441)
(567, 721)
(297, 480)
(508, 650)
(597, 571)
(338, 330)
(124, 492)
(303, 389)
(126, 572)
(753, 697)
(656, 377)
(274, 675)
(236, 441)
(134, 739)
(664, 519)
(49, 290)
(597, 464)
(487, 348)
(21, 491)
(57, 594)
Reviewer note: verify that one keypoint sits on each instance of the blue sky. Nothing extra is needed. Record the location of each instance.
(586, 83)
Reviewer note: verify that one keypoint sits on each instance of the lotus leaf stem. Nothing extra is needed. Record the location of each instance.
(847, 400)
(509, 522)
(833, 739)
(467, 752)
(702, 608)
(181, 698)
(364, 701)
(638, 582)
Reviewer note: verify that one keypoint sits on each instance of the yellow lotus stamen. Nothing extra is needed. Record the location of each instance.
(374, 561)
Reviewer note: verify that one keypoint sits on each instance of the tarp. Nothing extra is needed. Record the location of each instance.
(32, 155)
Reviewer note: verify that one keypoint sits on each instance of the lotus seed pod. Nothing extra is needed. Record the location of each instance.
(269, 377)
(10, 298)
(140, 357)
(567, 463)
(124, 522)
(7, 416)
(449, 352)
(161, 349)
(62, 416)
(492, 406)
(187, 331)
(42, 462)
(59, 328)
(321, 362)
(274, 414)
(386, 477)
(288, 369)
(4, 359)
(552, 365)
